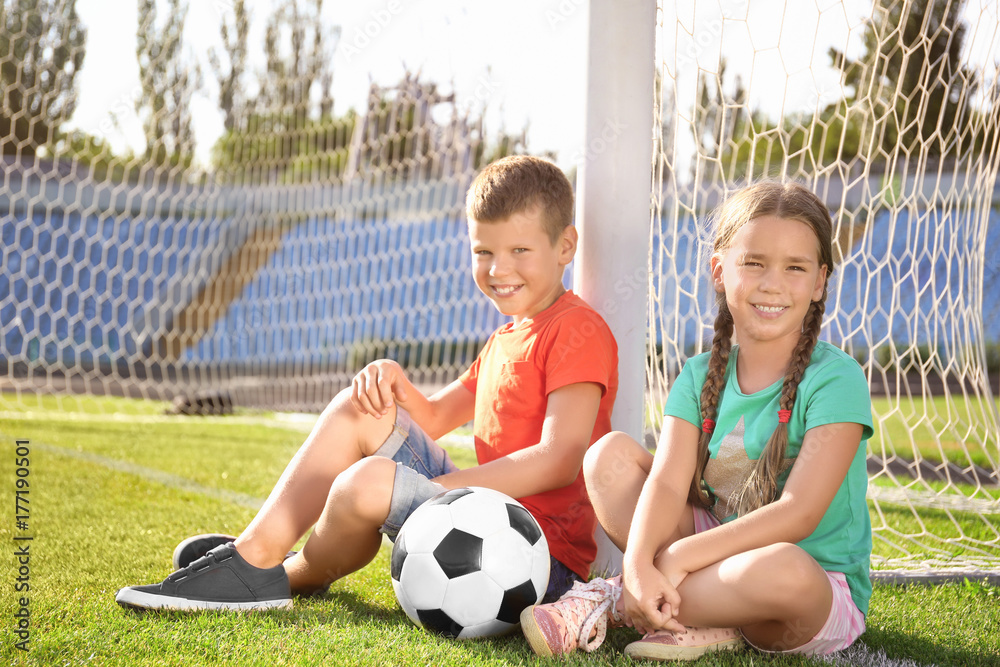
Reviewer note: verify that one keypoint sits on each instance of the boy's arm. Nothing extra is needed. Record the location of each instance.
(382, 383)
(554, 461)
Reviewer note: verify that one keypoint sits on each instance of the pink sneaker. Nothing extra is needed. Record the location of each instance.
(579, 619)
(666, 645)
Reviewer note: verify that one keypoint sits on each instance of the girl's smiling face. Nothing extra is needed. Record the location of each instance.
(770, 274)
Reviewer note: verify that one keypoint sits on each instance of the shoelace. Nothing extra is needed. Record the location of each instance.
(605, 594)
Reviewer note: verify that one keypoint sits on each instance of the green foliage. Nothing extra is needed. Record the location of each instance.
(911, 77)
(168, 85)
(395, 138)
(232, 96)
(41, 52)
(909, 95)
(291, 74)
(803, 142)
(993, 357)
(282, 148)
(86, 150)
(283, 134)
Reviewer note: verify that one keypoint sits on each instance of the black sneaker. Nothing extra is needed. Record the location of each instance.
(197, 546)
(222, 580)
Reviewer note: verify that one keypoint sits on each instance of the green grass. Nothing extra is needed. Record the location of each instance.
(111, 497)
(960, 427)
(935, 428)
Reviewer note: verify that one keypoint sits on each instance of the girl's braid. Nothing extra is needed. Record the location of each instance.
(722, 344)
(761, 487)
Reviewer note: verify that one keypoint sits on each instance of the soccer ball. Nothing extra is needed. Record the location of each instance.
(467, 562)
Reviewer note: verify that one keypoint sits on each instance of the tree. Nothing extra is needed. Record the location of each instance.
(41, 52)
(285, 132)
(287, 86)
(232, 95)
(168, 85)
(909, 97)
(288, 133)
(910, 81)
(718, 115)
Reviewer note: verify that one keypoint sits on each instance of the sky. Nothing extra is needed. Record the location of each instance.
(506, 57)
(521, 61)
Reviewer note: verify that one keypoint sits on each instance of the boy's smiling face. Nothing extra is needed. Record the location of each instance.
(517, 266)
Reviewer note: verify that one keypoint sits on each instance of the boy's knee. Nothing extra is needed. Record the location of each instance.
(365, 488)
(351, 422)
(341, 403)
(339, 406)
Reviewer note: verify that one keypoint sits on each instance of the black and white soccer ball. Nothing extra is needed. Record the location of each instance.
(468, 561)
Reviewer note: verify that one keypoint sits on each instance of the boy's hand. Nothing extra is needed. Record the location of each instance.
(378, 385)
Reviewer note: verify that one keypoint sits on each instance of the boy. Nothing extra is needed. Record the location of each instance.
(540, 392)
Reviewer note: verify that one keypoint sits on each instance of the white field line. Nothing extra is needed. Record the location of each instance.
(298, 422)
(151, 474)
(290, 421)
(294, 421)
(860, 654)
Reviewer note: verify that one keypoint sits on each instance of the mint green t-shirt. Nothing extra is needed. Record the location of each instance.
(833, 390)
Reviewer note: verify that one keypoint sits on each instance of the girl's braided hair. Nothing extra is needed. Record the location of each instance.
(783, 200)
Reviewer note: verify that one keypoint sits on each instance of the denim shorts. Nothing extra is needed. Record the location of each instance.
(418, 460)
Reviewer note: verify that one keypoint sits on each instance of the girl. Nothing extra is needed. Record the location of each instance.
(750, 522)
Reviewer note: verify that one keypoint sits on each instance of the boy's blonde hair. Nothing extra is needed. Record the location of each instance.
(793, 202)
(520, 183)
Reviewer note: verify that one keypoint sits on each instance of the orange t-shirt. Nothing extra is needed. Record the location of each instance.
(566, 343)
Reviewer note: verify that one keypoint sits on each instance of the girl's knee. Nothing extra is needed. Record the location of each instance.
(614, 455)
(786, 572)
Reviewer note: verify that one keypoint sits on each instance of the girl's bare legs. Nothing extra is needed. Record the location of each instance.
(615, 469)
(778, 595)
(327, 484)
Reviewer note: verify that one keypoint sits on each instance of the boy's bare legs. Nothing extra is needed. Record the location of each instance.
(313, 490)
(346, 537)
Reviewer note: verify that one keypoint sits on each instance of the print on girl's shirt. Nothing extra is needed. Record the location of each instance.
(726, 472)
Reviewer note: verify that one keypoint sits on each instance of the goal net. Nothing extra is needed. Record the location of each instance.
(314, 238)
(890, 111)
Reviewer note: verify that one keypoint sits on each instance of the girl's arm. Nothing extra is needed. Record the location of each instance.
(818, 472)
(650, 599)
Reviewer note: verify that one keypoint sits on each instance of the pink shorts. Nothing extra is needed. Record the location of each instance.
(845, 622)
